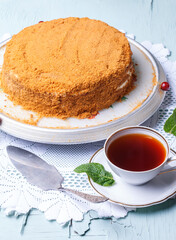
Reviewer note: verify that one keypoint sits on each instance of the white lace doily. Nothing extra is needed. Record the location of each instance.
(17, 195)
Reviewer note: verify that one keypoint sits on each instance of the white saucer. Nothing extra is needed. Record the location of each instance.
(154, 192)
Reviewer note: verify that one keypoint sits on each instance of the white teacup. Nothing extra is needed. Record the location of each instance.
(137, 177)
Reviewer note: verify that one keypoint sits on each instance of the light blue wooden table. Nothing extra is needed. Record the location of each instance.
(153, 20)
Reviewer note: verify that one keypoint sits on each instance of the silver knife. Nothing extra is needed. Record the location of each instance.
(41, 174)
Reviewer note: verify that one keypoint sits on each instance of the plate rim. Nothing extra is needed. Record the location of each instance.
(130, 205)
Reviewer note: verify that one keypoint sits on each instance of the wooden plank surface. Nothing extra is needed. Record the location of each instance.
(153, 20)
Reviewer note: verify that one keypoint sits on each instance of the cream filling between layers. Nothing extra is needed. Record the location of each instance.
(129, 73)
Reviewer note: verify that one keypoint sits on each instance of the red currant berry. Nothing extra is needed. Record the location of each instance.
(40, 21)
(165, 86)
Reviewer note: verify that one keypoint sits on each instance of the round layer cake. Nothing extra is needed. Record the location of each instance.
(70, 67)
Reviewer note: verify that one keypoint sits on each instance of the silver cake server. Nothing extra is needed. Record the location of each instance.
(41, 174)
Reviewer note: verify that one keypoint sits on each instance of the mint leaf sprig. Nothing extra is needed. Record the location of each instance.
(97, 173)
(170, 124)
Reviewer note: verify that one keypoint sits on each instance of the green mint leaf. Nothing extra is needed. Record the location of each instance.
(170, 124)
(97, 173)
(124, 98)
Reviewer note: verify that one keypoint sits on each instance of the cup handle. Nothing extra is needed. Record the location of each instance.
(171, 159)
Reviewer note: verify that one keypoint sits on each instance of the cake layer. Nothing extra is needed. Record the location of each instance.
(67, 67)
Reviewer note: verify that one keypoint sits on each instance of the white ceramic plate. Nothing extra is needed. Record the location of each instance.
(158, 190)
(141, 103)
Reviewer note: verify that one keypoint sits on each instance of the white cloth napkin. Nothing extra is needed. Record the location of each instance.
(17, 195)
